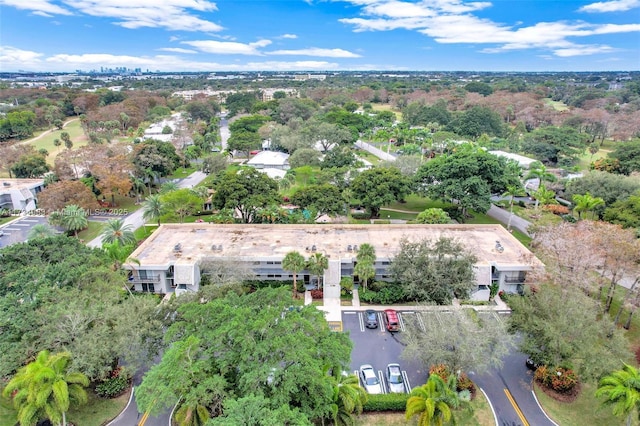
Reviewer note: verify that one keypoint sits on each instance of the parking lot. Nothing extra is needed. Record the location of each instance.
(17, 231)
(379, 347)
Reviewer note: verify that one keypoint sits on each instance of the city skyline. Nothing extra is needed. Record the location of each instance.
(292, 35)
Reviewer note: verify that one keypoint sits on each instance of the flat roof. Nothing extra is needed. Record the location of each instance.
(255, 241)
(19, 184)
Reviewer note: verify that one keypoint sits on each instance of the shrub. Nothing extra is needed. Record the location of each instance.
(556, 209)
(464, 383)
(115, 385)
(386, 402)
(387, 295)
(361, 215)
(454, 212)
(561, 380)
(569, 218)
(317, 294)
(258, 284)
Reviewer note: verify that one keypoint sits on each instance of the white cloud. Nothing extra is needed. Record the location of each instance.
(583, 50)
(610, 6)
(176, 50)
(314, 51)
(228, 47)
(291, 36)
(12, 58)
(39, 7)
(452, 21)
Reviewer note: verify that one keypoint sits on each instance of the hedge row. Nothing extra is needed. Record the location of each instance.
(386, 402)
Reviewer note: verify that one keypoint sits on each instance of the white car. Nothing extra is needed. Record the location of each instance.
(394, 378)
(370, 379)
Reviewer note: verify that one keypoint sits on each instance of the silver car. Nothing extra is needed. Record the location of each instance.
(370, 379)
(394, 379)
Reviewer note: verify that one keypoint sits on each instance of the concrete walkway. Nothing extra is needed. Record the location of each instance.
(135, 219)
(375, 151)
(517, 222)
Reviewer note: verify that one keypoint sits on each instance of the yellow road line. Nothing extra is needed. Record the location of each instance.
(515, 407)
(144, 418)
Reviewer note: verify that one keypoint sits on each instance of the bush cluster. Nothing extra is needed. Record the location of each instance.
(556, 209)
(385, 296)
(115, 385)
(386, 402)
(258, 284)
(317, 294)
(561, 380)
(464, 383)
(361, 215)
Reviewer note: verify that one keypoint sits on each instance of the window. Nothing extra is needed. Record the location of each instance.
(148, 288)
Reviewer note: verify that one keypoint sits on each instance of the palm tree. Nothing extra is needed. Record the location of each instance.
(294, 262)
(365, 271)
(348, 398)
(138, 186)
(512, 191)
(622, 390)
(168, 187)
(192, 415)
(317, 264)
(40, 231)
(116, 230)
(433, 401)
(44, 389)
(366, 252)
(539, 170)
(57, 143)
(586, 203)
(544, 196)
(73, 218)
(152, 208)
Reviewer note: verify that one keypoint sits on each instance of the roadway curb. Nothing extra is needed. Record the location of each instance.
(490, 406)
(124, 409)
(540, 406)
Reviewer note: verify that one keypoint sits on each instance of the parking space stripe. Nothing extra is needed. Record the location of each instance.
(381, 322)
(361, 321)
(401, 321)
(421, 323)
(381, 378)
(407, 385)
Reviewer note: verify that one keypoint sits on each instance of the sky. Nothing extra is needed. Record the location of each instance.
(320, 35)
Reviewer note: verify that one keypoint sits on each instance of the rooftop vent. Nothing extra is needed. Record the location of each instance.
(314, 248)
(349, 248)
(355, 247)
(177, 248)
(6, 183)
(499, 247)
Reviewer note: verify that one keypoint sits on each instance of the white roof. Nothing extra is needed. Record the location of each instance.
(523, 161)
(269, 158)
(273, 173)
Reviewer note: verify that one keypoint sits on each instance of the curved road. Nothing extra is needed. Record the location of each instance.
(46, 132)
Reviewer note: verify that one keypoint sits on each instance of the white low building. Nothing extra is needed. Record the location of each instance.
(524, 162)
(270, 160)
(169, 260)
(19, 195)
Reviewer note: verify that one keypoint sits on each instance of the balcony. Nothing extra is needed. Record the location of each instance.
(139, 280)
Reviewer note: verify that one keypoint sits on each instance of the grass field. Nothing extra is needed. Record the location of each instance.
(557, 105)
(91, 232)
(585, 410)
(75, 132)
(387, 107)
(181, 172)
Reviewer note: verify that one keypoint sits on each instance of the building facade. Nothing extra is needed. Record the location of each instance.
(171, 259)
(19, 196)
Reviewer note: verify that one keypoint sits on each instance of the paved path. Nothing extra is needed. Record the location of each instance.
(516, 221)
(46, 132)
(135, 219)
(375, 151)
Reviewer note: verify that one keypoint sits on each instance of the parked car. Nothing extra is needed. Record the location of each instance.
(391, 318)
(370, 379)
(371, 318)
(394, 378)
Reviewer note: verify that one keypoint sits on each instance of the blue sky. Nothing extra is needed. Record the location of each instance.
(297, 35)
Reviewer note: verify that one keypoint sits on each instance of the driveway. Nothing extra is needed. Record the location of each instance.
(135, 219)
(17, 230)
(502, 215)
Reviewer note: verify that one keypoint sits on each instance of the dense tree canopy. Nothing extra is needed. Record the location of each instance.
(628, 156)
(555, 145)
(253, 344)
(378, 187)
(469, 176)
(434, 271)
(324, 199)
(245, 190)
(475, 121)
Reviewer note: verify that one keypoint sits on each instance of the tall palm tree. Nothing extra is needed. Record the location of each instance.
(317, 264)
(433, 402)
(116, 230)
(366, 252)
(40, 231)
(586, 203)
(544, 196)
(512, 191)
(73, 218)
(152, 208)
(348, 398)
(45, 389)
(294, 262)
(365, 271)
(192, 415)
(622, 390)
(168, 187)
(138, 186)
(539, 170)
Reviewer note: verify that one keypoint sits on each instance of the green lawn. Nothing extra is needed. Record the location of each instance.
(585, 410)
(98, 411)
(4, 220)
(557, 105)
(181, 172)
(91, 232)
(144, 232)
(388, 214)
(417, 204)
(75, 132)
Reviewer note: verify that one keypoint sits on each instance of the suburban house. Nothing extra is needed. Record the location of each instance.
(270, 160)
(19, 195)
(524, 162)
(170, 259)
